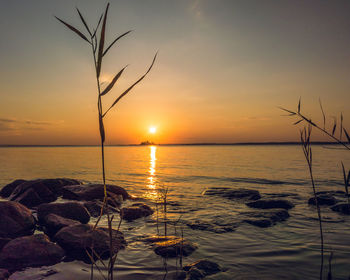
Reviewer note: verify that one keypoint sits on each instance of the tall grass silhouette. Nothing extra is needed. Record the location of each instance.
(305, 139)
(97, 44)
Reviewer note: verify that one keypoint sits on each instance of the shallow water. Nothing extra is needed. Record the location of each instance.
(288, 250)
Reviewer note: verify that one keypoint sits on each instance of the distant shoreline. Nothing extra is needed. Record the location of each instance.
(178, 144)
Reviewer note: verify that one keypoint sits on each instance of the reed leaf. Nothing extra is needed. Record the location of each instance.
(298, 121)
(115, 41)
(288, 111)
(346, 134)
(84, 22)
(101, 44)
(97, 26)
(74, 29)
(341, 126)
(131, 87)
(334, 128)
(102, 129)
(111, 84)
(323, 114)
(299, 106)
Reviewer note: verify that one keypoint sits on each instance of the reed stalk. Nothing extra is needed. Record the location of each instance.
(98, 53)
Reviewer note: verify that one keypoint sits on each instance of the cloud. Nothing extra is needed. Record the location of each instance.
(10, 124)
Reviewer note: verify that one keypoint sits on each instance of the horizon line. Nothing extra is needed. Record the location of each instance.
(171, 144)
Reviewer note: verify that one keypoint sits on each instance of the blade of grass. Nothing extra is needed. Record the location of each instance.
(102, 41)
(74, 29)
(111, 84)
(115, 41)
(84, 22)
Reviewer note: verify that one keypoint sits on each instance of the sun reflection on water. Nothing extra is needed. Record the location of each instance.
(152, 192)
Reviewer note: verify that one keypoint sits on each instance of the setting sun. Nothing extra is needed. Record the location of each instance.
(152, 129)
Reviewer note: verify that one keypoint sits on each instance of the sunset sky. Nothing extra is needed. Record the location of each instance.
(223, 69)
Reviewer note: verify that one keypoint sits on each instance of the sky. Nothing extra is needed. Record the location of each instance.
(223, 69)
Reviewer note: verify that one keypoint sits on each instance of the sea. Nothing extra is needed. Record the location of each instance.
(286, 250)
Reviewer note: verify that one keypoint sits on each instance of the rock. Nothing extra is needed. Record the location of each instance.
(136, 211)
(194, 274)
(15, 220)
(213, 226)
(76, 239)
(234, 193)
(271, 203)
(266, 218)
(56, 185)
(4, 241)
(94, 207)
(70, 210)
(92, 192)
(171, 246)
(32, 193)
(53, 223)
(8, 189)
(323, 199)
(30, 251)
(4, 274)
(343, 208)
(205, 266)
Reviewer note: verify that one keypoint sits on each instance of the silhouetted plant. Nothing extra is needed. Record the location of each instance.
(305, 135)
(98, 53)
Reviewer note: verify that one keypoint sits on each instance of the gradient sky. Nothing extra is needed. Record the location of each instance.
(223, 69)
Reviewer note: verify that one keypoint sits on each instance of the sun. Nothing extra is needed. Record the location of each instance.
(152, 129)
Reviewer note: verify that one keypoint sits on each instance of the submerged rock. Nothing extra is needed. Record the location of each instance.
(70, 210)
(93, 191)
(323, 199)
(171, 246)
(15, 220)
(94, 207)
(206, 267)
(234, 193)
(266, 218)
(9, 188)
(136, 211)
(53, 223)
(343, 208)
(214, 226)
(30, 251)
(271, 203)
(79, 238)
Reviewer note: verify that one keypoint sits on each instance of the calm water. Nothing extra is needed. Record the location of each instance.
(289, 249)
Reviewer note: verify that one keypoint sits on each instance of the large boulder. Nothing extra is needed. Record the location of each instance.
(4, 274)
(271, 203)
(70, 210)
(171, 246)
(343, 208)
(234, 193)
(93, 191)
(136, 211)
(266, 218)
(53, 223)
(30, 251)
(15, 220)
(9, 188)
(77, 239)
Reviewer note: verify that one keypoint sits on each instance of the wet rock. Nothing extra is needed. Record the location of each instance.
(15, 220)
(30, 251)
(32, 193)
(93, 191)
(70, 210)
(4, 274)
(77, 239)
(216, 227)
(205, 266)
(323, 199)
(343, 208)
(234, 193)
(53, 223)
(94, 207)
(271, 203)
(194, 274)
(136, 211)
(9, 188)
(171, 246)
(266, 218)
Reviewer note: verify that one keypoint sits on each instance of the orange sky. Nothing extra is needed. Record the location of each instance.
(223, 69)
